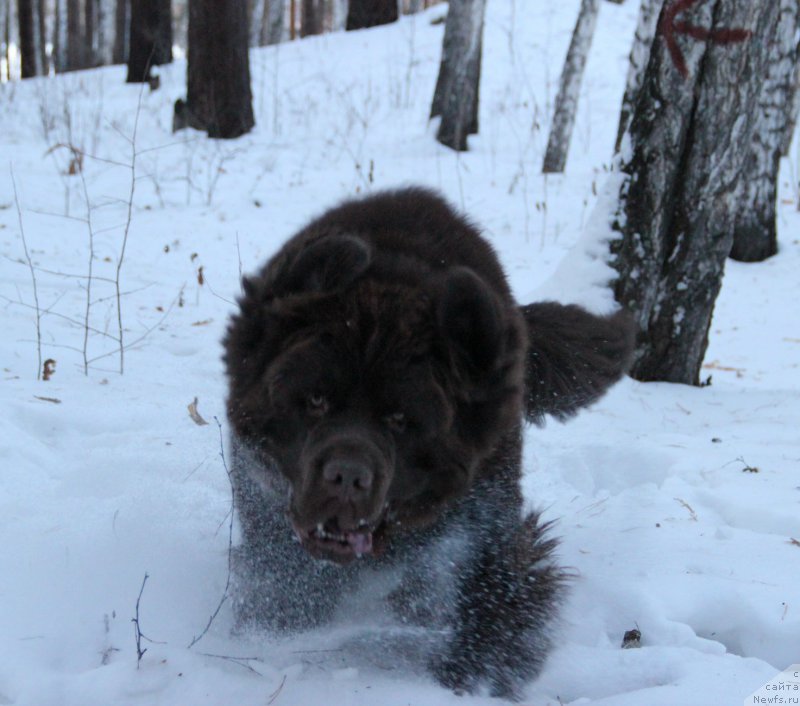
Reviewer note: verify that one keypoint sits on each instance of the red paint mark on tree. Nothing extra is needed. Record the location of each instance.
(670, 27)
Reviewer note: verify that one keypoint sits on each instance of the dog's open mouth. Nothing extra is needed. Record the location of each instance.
(329, 541)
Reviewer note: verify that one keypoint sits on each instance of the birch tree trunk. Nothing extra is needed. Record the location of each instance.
(755, 236)
(457, 93)
(696, 110)
(639, 57)
(218, 97)
(555, 157)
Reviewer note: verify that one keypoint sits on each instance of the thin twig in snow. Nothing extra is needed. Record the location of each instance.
(33, 278)
(275, 694)
(44, 270)
(137, 629)
(225, 594)
(49, 312)
(121, 259)
(239, 256)
(89, 275)
(143, 336)
(241, 661)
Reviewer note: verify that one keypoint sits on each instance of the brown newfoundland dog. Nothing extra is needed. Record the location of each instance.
(380, 371)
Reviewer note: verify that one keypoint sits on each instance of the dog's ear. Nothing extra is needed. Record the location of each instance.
(329, 263)
(574, 357)
(469, 316)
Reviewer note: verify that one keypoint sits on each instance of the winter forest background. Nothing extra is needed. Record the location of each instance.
(629, 152)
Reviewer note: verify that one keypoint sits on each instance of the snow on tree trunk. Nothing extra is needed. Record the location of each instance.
(555, 157)
(26, 17)
(675, 217)
(456, 96)
(370, 13)
(639, 57)
(122, 14)
(755, 236)
(218, 98)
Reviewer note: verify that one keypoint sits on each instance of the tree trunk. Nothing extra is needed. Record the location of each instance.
(639, 57)
(57, 57)
(457, 93)
(696, 110)
(150, 38)
(755, 236)
(414, 6)
(272, 29)
(162, 52)
(41, 37)
(218, 73)
(555, 157)
(370, 13)
(142, 39)
(89, 32)
(256, 9)
(7, 39)
(75, 40)
(26, 17)
(121, 32)
(311, 20)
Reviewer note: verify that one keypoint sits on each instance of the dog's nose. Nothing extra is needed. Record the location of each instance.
(346, 478)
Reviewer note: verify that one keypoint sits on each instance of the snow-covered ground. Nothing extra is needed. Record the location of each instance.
(679, 507)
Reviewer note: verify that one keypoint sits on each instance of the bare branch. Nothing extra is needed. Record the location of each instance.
(225, 591)
(33, 279)
(89, 275)
(137, 630)
(121, 259)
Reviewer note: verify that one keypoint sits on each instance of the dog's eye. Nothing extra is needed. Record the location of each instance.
(396, 421)
(317, 404)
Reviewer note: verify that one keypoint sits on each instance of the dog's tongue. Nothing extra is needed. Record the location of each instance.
(361, 542)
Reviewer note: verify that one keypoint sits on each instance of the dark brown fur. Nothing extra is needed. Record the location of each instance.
(379, 373)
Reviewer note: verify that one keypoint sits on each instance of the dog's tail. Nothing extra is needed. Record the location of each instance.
(573, 358)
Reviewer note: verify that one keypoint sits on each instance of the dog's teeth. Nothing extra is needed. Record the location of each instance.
(319, 528)
(362, 523)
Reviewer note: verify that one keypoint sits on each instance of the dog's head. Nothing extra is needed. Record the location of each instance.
(375, 397)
